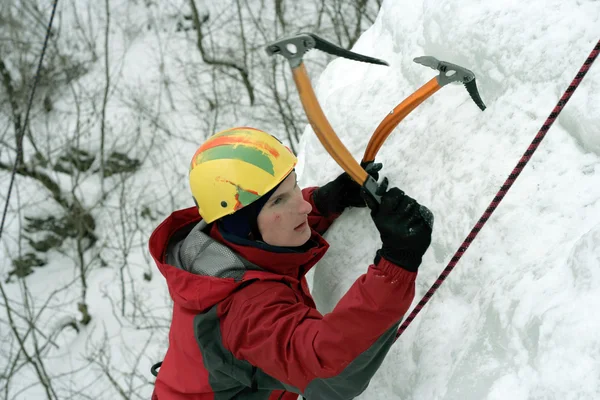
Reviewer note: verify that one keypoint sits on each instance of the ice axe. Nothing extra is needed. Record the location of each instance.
(448, 73)
(293, 49)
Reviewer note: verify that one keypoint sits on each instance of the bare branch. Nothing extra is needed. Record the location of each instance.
(279, 12)
(105, 96)
(213, 61)
(37, 364)
(10, 90)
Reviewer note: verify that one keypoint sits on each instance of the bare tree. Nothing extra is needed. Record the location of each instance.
(102, 163)
(235, 50)
(58, 170)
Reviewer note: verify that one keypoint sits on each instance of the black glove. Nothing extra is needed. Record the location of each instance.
(343, 192)
(405, 228)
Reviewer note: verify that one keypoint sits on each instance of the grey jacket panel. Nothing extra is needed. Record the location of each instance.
(229, 377)
(355, 378)
(200, 254)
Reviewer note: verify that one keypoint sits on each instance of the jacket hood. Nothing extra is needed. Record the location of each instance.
(202, 267)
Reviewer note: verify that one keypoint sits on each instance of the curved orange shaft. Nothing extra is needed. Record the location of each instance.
(392, 120)
(323, 129)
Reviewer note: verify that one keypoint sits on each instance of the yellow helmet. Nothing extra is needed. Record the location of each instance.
(235, 167)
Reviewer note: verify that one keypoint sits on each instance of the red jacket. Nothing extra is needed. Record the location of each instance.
(245, 325)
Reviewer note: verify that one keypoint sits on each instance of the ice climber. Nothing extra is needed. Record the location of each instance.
(244, 324)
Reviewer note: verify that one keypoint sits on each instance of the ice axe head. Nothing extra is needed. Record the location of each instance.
(293, 48)
(453, 73)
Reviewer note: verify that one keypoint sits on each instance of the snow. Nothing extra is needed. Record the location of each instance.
(517, 318)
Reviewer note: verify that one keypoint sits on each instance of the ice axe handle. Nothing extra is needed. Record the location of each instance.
(371, 192)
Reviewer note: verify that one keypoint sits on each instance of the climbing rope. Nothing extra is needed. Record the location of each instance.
(504, 189)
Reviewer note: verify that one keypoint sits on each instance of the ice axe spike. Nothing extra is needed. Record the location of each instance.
(293, 49)
(453, 73)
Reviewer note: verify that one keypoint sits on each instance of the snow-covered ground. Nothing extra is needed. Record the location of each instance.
(516, 319)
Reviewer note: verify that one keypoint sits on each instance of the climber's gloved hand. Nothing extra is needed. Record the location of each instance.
(343, 192)
(405, 228)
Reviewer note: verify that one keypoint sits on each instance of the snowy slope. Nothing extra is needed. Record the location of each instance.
(518, 316)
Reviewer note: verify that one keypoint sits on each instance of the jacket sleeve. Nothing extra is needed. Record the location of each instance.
(321, 357)
(317, 221)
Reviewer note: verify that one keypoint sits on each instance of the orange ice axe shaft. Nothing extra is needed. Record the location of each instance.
(293, 49)
(448, 73)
